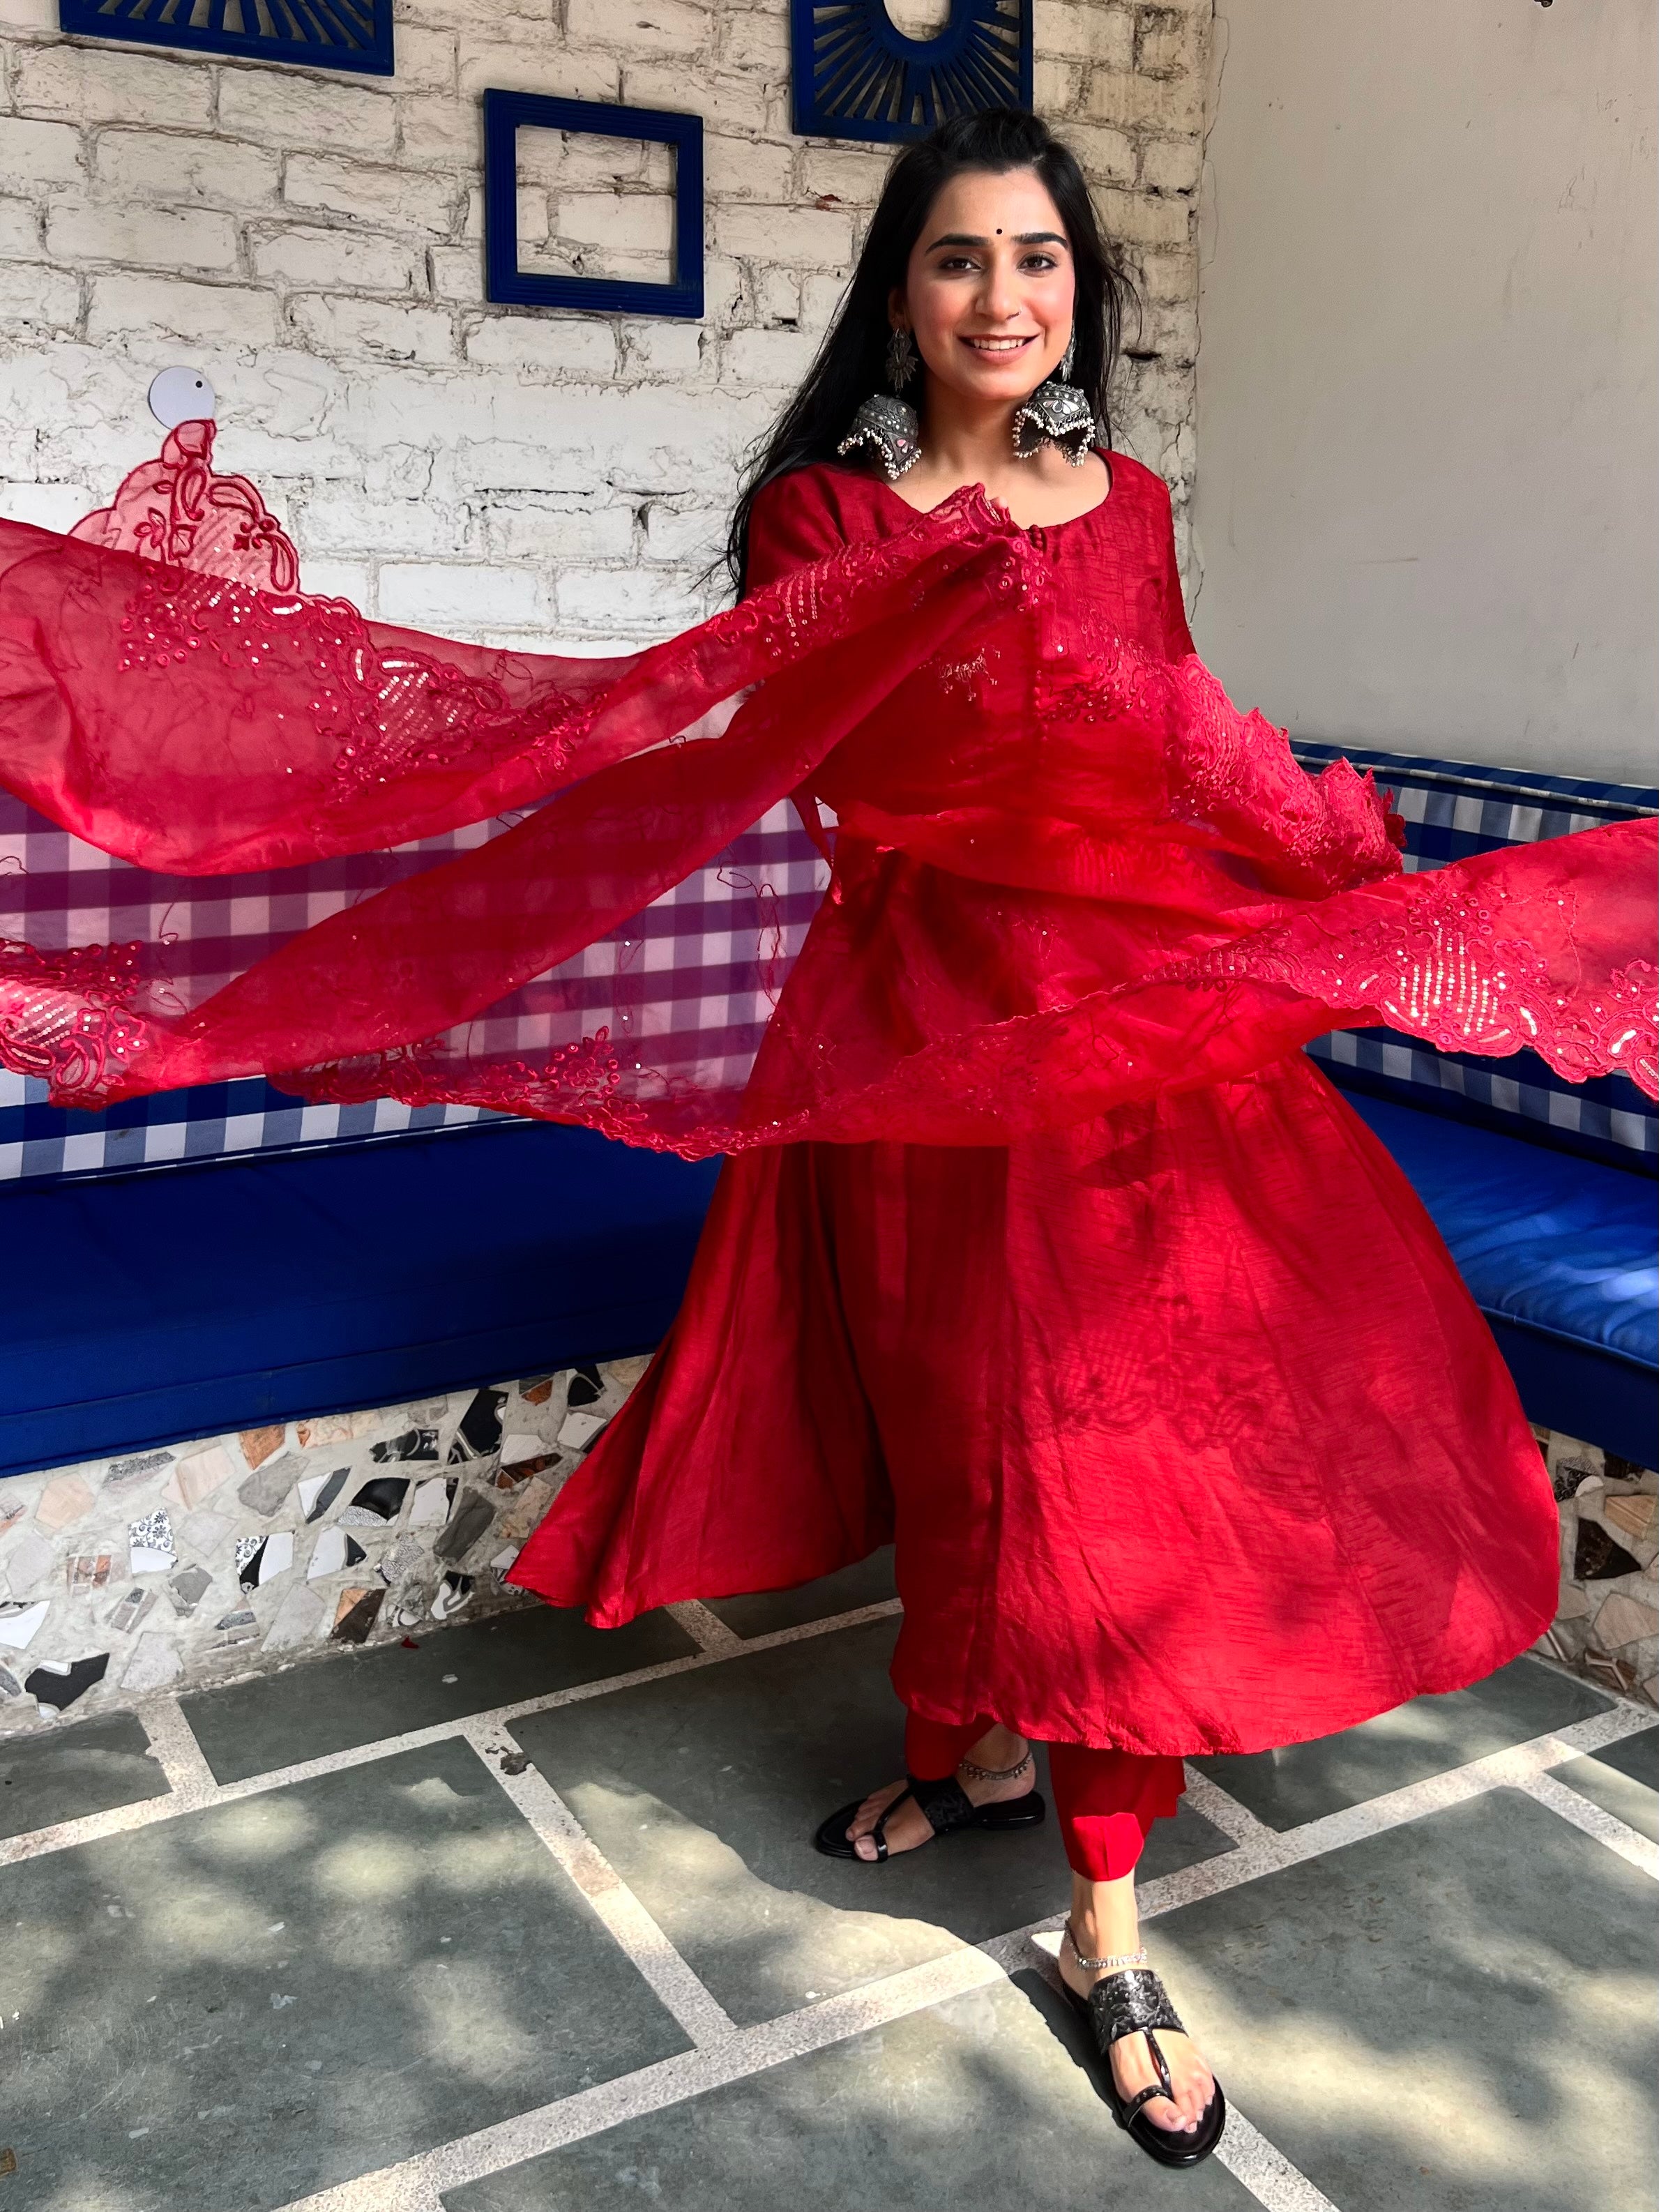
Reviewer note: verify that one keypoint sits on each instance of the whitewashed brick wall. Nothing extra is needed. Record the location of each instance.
(314, 244)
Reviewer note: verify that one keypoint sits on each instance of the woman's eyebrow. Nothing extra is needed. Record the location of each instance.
(1021, 237)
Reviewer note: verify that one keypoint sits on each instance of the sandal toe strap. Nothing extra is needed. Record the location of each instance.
(1133, 2002)
(1131, 2106)
(878, 1833)
(1162, 2065)
(945, 1802)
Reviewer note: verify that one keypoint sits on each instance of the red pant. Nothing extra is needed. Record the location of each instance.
(1106, 1800)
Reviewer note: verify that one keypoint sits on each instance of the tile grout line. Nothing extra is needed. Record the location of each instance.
(705, 1628)
(1255, 2162)
(173, 1745)
(1269, 1850)
(1585, 1814)
(122, 1820)
(636, 1934)
(1221, 1809)
(1264, 1850)
(1262, 2168)
(416, 2185)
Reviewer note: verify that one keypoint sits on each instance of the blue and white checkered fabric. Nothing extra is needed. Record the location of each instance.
(700, 970)
(1452, 809)
(698, 962)
(217, 1121)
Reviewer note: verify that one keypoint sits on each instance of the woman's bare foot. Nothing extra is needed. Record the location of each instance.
(998, 1747)
(1107, 1926)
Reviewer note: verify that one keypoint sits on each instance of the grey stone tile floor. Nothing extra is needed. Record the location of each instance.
(869, 1583)
(277, 1720)
(982, 2100)
(526, 1916)
(1427, 1737)
(88, 1767)
(731, 1775)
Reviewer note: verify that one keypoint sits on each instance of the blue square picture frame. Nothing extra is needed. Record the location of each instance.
(855, 75)
(506, 284)
(330, 34)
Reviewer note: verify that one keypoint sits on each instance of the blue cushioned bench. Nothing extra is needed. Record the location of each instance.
(1559, 1254)
(149, 1308)
(1543, 1190)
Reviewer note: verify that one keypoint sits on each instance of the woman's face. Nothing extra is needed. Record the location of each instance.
(990, 290)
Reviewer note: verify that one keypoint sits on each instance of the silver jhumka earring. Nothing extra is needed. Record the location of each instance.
(1056, 412)
(890, 426)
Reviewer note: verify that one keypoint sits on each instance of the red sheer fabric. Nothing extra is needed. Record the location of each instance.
(1070, 872)
(1043, 1250)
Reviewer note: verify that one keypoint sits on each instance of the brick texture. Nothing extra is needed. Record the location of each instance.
(314, 244)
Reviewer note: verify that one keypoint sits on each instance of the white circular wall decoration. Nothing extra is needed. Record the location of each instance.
(181, 395)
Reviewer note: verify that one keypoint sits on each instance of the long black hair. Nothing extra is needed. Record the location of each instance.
(851, 363)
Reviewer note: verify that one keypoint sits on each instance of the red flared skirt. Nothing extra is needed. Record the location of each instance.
(1189, 1433)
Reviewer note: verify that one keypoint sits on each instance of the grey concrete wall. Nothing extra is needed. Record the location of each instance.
(1427, 505)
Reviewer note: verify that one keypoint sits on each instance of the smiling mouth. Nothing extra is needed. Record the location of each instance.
(1001, 346)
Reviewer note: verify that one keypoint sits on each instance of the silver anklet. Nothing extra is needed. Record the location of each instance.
(976, 1772)
(1113, 1963)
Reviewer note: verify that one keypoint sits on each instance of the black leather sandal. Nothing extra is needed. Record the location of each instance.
(1134, 2002)
(949, 1812)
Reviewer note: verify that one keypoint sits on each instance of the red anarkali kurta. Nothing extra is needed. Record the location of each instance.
(1190, 1436)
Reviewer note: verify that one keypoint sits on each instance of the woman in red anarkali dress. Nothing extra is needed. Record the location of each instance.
(1171, 1410)
(1041, 1248)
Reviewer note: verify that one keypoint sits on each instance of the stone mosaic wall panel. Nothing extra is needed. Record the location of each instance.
(1607, 1622)
(237, 1554)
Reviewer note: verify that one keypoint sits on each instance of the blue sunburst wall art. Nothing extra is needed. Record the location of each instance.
(857, 76)
(333, 34)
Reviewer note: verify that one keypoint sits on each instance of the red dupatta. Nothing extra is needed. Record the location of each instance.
(1070, 876)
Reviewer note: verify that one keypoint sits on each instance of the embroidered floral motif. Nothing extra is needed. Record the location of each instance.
(1442, 970)
(391, 713)
(386, 711)
(65, 1017)
(1231, 777)
(228, 580)
(1237, 773)
(815, 607)
(1623, 1030)
(581, 1080)
(177, 510)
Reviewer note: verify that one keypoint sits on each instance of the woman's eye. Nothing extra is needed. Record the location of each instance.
(1039, 263)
